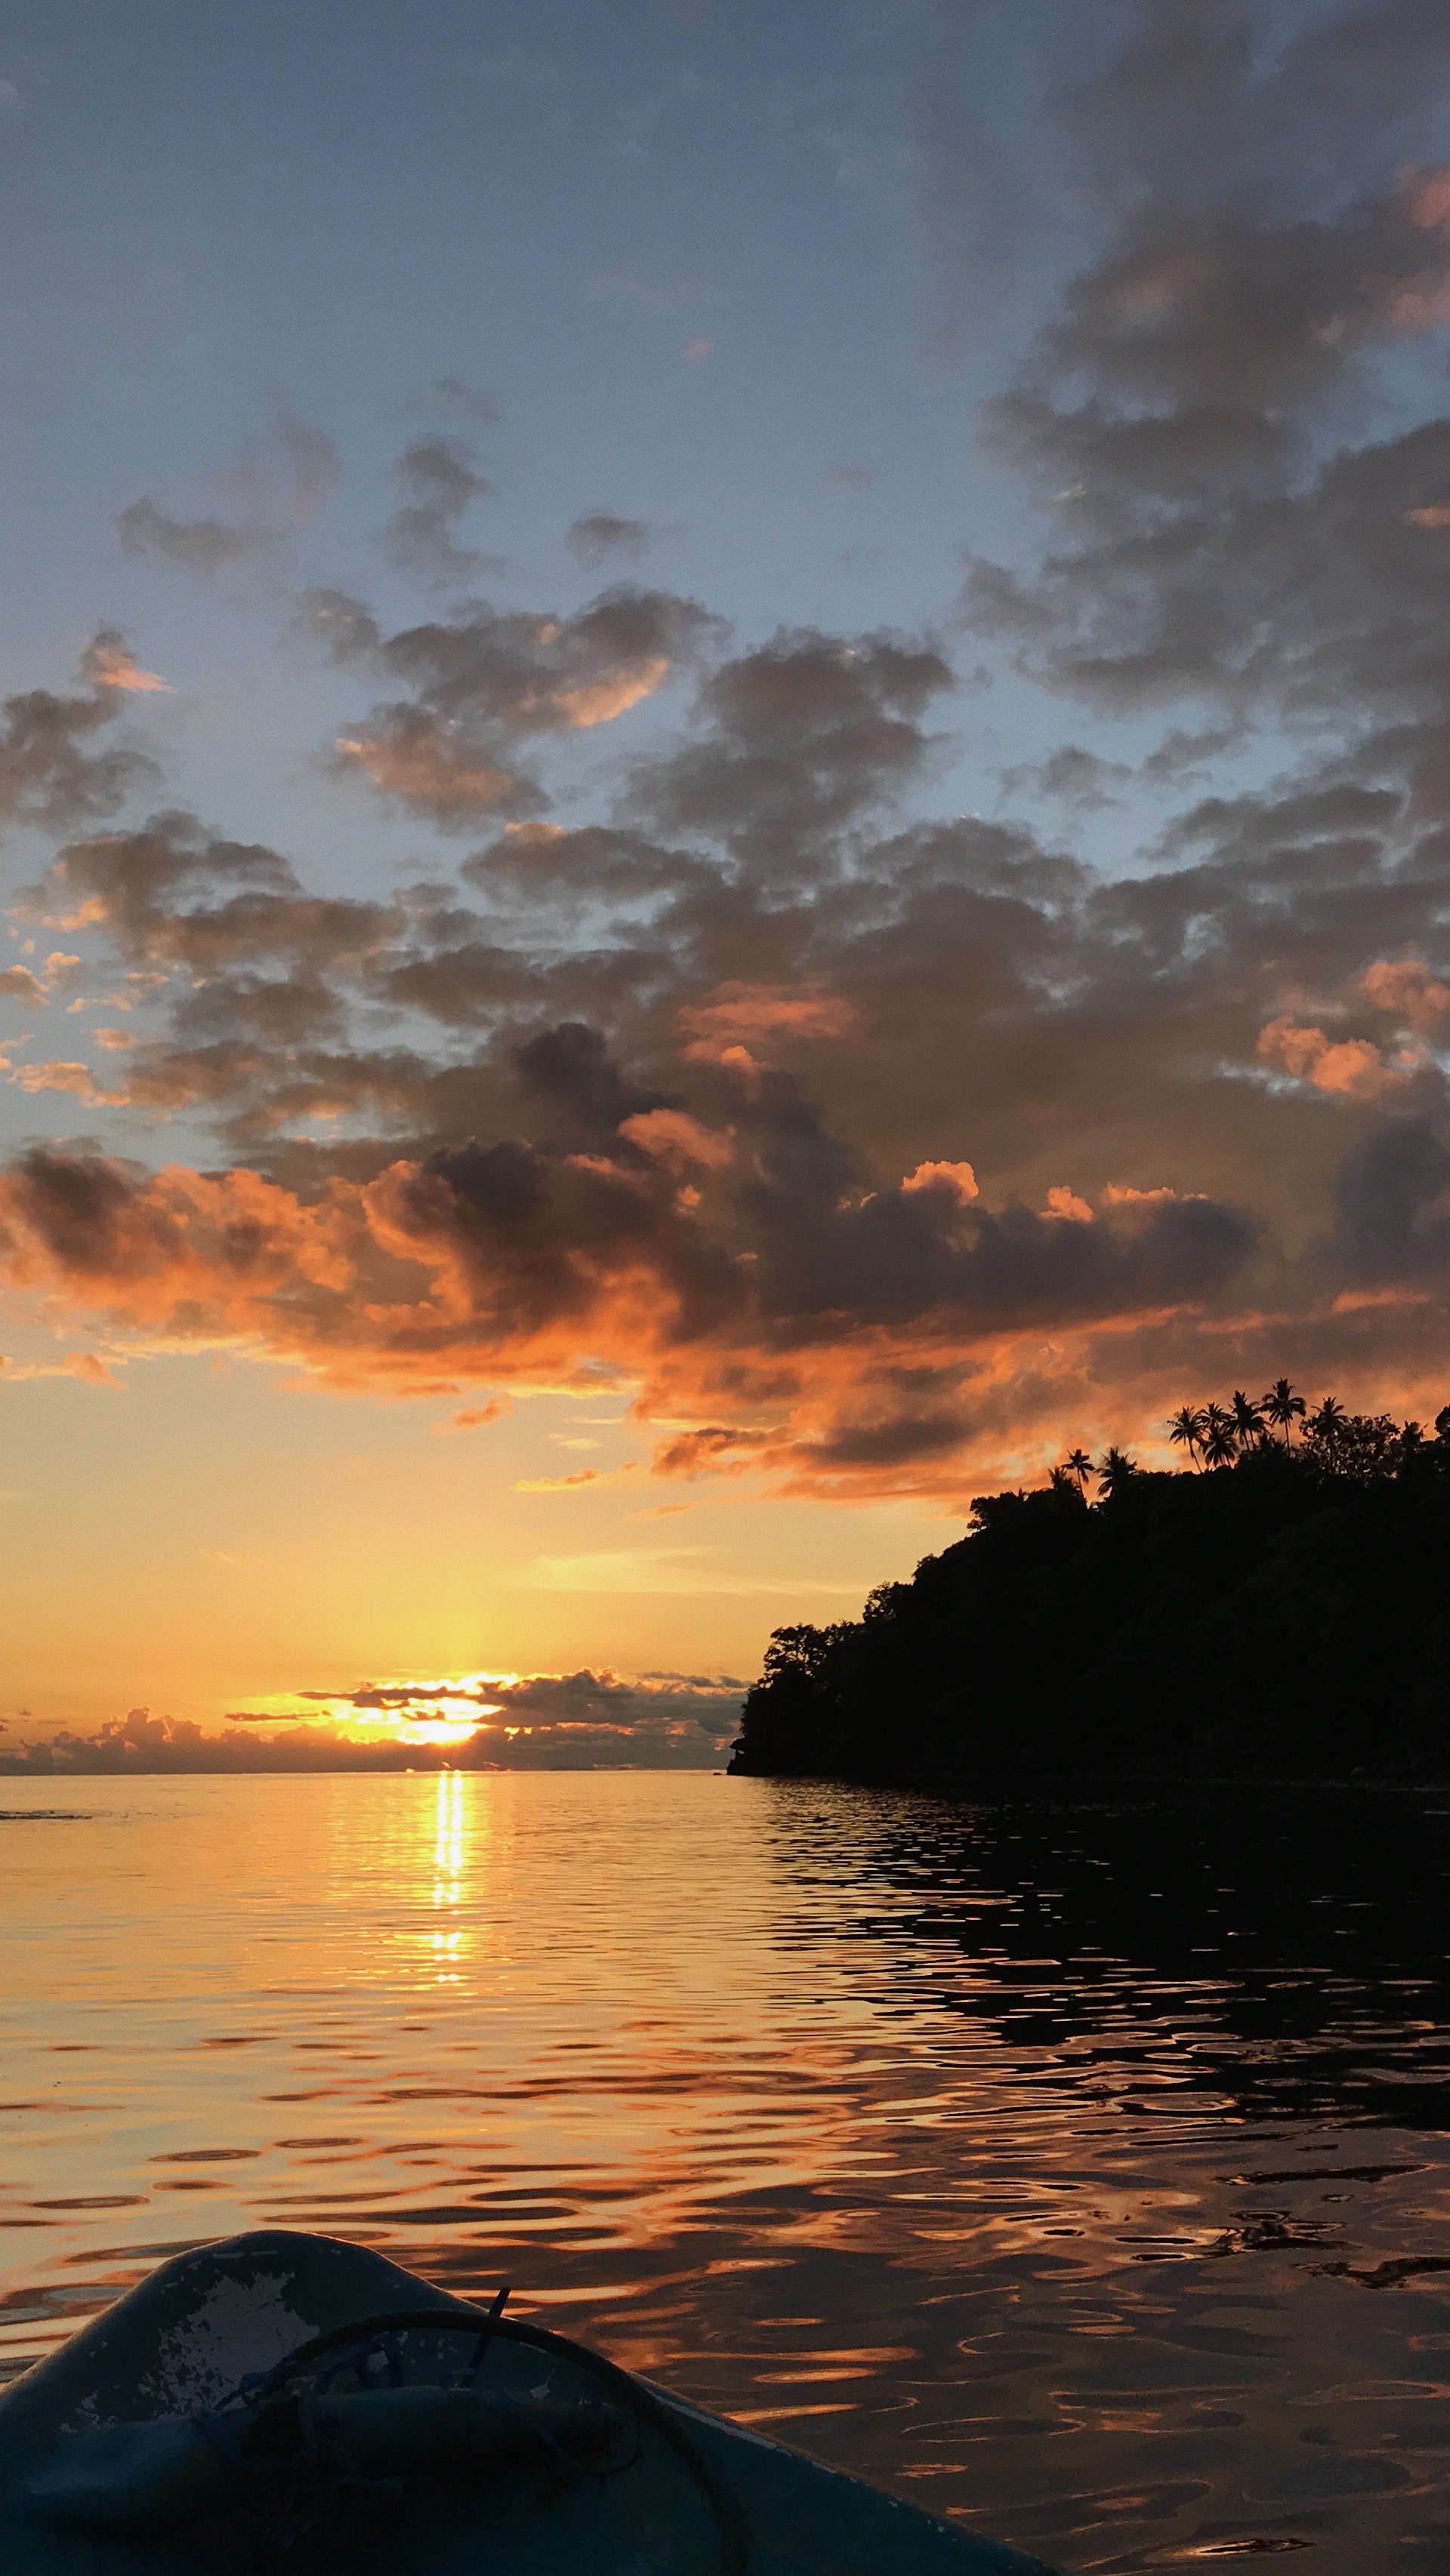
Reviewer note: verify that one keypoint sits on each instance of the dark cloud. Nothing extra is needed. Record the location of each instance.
(456, 399)
(483, 683)
(1195, 410)
(171, 893)
(440, 483)
(193, 545)
(279, 484)
(48, 773)
(1392, 1206)
(569, 1074)
(579, 1721)
(600, 536)
(794, 744)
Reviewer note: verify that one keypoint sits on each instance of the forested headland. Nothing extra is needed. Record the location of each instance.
(1278, 1608)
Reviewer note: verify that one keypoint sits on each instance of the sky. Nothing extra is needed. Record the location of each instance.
(725, 769)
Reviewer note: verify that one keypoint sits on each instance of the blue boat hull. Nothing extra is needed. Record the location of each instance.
(197, 2429)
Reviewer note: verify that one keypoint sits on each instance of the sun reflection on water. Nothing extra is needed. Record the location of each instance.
(449, 1853)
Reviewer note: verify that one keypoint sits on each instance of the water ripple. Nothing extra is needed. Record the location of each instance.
(1036, 2163)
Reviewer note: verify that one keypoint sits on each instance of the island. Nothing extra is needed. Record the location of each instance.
(1279, 1608)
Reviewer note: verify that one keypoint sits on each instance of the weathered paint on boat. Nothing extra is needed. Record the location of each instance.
(181, 2435)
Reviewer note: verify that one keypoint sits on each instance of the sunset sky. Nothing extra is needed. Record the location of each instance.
(726, 779)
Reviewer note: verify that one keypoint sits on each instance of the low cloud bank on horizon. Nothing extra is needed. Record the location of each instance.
(876, 1150)
(528, 1722)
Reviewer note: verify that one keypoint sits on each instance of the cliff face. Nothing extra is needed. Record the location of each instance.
(1284, 1617)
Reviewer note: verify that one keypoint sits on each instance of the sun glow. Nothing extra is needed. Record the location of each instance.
(443, 1712)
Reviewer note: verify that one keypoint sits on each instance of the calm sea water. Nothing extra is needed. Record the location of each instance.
(1083, 2172)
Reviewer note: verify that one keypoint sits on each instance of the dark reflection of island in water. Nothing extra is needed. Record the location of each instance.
(1287, 1948)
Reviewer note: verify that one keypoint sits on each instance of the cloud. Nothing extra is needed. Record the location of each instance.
(593, 540)
(673, 1137)
(476, 1417)
(957, 1180)
(1353, 1066)
(279, 484)
(108, 665)
(47, 776)
(485, 682)
(206, 546)
(558, 1484)
(440, 484)
(738, 1021)
(1407, 988)
(408, 1222)
(1194, 412)
(794, 744)
(581, 1721)
(859, 1146)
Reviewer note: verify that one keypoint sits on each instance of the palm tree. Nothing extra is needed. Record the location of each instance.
(1186, 1428)
(1248, 1419)
(1328, 1422)
(1282, 1407)
(1077, 1463)
(1220, 1439)
(1114, 1470)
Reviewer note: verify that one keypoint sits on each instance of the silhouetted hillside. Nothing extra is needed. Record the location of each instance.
(1284, 1612)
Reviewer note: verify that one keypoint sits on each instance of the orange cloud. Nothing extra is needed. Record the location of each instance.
(714, 1450)
(558, 1484)
(1366, 1301)
(109, 666)
(1406, 986)
(1429, 200)
(1352, 1067)
(1421, 308)
(602, 700)
(672, 1137)
(75, 1078)
(1065, 1203)
(476, 1417)
(419, 768)
(739, 1017)
(1421, 304)
(905, 1344)
(957, 1178)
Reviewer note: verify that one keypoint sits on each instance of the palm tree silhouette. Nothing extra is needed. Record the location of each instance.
(1186, 1428)
(1220, 1439)
(1114, 1470)
(1077, 1463)
(1248, 1419)
(1282, 1407)
(1328, 1422)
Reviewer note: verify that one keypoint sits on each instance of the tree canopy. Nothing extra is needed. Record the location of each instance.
(1279, 1608)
